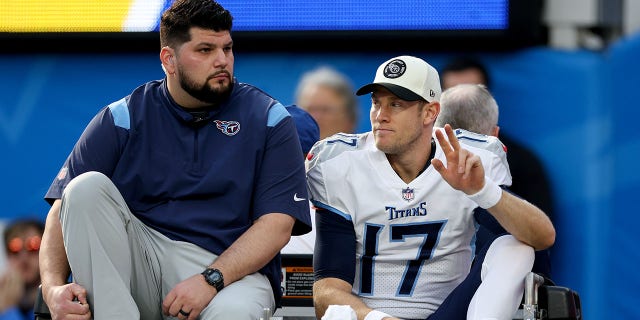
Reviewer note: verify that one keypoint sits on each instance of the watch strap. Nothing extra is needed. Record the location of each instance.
(219, 283)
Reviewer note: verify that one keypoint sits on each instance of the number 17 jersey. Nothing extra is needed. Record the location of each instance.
(413, 240)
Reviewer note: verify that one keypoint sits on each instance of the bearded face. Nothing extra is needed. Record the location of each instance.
(212, 90)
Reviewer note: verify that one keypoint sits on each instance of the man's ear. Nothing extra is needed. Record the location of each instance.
(432, 111)
(168, 60)
(495, 131)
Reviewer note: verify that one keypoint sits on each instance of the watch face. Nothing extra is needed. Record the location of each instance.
(214, 276)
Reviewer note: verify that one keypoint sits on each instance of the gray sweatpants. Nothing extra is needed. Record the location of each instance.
(128, 268)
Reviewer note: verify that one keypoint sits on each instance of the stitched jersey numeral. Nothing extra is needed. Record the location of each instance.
(348, 141)
(430, 231)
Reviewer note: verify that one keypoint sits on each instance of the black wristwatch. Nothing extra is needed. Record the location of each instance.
(214, 278)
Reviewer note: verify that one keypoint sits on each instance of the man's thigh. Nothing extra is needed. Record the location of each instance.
(242, 300)
(456, 304)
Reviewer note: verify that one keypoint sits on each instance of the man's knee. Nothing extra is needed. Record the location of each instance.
(507, 250)
(85, 186)
(83, 193)
(509, 245)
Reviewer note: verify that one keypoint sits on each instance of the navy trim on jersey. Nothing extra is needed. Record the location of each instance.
(202, 184)
(334, 255)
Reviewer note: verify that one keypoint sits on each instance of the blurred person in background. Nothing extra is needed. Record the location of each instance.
(530, 179)
(328, 96)
(472, 107)
(19, 282)
(308, 133)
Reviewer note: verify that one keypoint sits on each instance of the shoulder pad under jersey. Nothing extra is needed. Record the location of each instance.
(482, 141)
(333, 146)
(488, 143)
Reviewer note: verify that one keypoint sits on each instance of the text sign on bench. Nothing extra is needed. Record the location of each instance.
(297, 280)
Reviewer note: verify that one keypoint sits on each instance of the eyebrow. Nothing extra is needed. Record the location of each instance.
(213, 45)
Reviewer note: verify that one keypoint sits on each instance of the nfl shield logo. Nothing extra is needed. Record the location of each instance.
(407, 194)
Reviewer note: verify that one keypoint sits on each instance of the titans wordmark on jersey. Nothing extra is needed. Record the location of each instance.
(413, 240)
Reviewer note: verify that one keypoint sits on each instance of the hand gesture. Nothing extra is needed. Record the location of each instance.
(68, 302)
(188, 298)
(464, 170)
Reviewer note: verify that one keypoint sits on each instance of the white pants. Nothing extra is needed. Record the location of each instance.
(128, 268)
(505, 266)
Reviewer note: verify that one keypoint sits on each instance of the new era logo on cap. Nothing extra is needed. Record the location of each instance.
(410, 78)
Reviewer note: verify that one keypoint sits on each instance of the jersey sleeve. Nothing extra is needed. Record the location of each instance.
(326, 171)
(495, 157)
(280, 185)
(97, 149)
(335, 248)
(497, 171)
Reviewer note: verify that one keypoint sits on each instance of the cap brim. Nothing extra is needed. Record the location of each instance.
(402, 92)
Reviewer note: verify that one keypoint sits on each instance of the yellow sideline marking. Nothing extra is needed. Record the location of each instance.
(63, 16)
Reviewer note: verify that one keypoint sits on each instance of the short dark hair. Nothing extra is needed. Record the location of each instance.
(185, 14)
(19, 226)
(466, 63)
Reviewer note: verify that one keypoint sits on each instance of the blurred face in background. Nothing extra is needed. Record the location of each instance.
(468, 76)
(22, 254)
(327, 108)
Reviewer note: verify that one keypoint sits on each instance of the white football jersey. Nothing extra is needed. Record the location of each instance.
(489, 143)
(413, 240)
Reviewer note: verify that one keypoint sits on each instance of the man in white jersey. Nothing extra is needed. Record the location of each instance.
(472, 107)
(395, 212)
